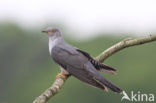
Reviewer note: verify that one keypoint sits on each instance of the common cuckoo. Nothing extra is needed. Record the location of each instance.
(78, 63)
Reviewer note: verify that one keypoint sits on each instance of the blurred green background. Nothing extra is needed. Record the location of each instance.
(26, 68)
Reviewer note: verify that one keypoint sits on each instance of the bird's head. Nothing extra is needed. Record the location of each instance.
(52, 32)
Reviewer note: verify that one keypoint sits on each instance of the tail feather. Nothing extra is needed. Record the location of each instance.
(95, 75)
(106, 67)
(108, 84)
(107, 71)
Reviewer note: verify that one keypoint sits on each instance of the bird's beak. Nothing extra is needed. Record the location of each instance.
(44, 31)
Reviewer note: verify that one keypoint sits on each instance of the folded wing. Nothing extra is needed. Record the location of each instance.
(99, 66)
(79, 66)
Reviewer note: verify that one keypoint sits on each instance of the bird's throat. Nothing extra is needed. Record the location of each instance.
(53, 42)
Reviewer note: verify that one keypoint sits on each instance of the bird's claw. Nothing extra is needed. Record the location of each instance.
(61, 75)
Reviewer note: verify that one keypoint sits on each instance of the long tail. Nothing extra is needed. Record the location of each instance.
(108, 84)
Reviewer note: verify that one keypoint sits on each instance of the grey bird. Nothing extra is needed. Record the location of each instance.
(78, 63)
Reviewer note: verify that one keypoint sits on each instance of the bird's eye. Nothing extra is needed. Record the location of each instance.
(53, 31)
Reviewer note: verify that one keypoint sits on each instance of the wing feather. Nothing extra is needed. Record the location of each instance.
(99, 66)
(79, 66)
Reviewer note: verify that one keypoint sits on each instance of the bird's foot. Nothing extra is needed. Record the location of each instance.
(61, 75)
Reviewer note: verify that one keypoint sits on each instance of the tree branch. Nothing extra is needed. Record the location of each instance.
(56, 87)
(124, 44)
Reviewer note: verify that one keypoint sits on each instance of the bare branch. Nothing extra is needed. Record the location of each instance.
(51, 91)
(55, 88)
(124, 44)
